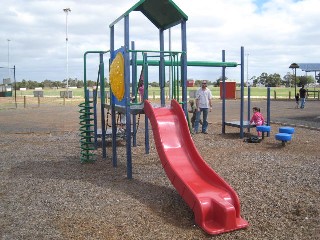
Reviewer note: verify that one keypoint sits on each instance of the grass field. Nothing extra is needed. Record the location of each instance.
(280, 92)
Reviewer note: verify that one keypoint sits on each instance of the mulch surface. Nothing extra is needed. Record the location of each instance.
(46, 193)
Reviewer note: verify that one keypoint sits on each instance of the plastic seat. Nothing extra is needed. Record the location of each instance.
(289, 130)
(283, 137)
(263, 129)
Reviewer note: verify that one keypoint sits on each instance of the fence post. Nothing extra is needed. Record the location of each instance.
(289, 95)
(154, 96)
(275, 95)
(38, 101)
(24, 101)
(64, 100)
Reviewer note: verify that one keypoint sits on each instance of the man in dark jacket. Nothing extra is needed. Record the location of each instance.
(303, 94)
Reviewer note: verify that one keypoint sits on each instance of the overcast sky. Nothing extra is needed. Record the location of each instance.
(274, 34)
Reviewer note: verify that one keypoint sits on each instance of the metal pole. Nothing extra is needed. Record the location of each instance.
(15, 85)
(67, 10)
(249, 107)
(295, 81)
(247, 69)
(8, 58)
(242, 93)
(223, 93)
(170, 68)
(268, 109)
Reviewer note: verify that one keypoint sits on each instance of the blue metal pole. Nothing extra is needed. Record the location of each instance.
(242, 93)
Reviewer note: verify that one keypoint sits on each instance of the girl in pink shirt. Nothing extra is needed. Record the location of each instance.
(257, 118)
(141, 85)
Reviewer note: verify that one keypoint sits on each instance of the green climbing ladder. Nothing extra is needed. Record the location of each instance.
(86, 132)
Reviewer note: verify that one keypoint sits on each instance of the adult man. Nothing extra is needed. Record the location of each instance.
(203, 104)
(303, 93)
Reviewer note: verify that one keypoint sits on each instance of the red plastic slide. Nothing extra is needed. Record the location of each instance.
(215, 204)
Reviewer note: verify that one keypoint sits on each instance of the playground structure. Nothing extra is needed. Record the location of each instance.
(215, 204)
(241, 124)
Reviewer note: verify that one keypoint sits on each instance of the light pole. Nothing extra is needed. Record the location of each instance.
(294, 66)
(8, 58)
(67, 10)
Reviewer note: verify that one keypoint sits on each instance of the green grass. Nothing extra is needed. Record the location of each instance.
(47, 92)
(255, 91)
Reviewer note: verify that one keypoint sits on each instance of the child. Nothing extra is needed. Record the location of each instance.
(141, 86)
(192, 110)
(297, 100)
(122, 125)
(141, 89)
(257, 118)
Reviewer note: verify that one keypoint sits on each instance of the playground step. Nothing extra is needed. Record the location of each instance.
(283, 137)
(289, 130)
(263, 129)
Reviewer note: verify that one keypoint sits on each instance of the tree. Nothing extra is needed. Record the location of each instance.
(217, 82)
(254, 80)
(272, 80)
(23, 84)
(47, 83)
(288, 80)
(80, 84)
(154, 84)
(91, 83)
(304, 80)
(197, 83)
(262, 79)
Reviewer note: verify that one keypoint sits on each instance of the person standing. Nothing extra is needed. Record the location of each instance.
(203, 105)
(303, 93)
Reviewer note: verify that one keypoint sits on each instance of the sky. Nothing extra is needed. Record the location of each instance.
(274, 34)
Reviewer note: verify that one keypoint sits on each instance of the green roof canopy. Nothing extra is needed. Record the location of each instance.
(162, 13)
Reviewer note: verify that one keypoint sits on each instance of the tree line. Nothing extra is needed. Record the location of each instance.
(271, 80)
(55, 84)
(267, 80)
